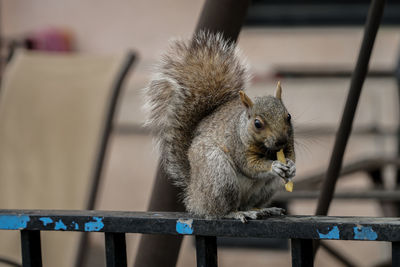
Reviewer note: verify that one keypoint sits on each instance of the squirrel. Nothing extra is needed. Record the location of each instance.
(217, 144)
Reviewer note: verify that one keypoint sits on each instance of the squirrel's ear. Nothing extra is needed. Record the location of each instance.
(245, 99)
(278, 91)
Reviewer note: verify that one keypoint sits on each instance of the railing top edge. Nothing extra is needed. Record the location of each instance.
(176, 223)
(177, 215)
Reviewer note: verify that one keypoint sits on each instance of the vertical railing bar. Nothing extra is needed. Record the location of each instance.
(302, 252)
(206, 251)
(396, 254)
(115, 249)
(397, 76)
(31, 249)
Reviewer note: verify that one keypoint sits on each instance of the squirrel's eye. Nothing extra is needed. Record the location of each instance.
(289, 117)
(258, 124)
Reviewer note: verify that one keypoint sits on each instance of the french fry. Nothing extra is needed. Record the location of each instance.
(281, 157)
(289, 186)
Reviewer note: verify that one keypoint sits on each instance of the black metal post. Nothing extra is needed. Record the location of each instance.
(396, 254)
(357, 80)
(397, 76)
(225, 16)
(31, 249)
(302, 253)
(115, 249)
(206, 251)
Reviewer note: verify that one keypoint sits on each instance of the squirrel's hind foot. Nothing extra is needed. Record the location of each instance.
(243, 216)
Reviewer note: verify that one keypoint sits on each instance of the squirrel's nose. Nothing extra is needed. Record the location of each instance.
(281, 141)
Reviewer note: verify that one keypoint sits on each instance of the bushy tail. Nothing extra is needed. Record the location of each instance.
(192, 80)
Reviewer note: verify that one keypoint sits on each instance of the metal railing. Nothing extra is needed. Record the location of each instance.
(301, 230)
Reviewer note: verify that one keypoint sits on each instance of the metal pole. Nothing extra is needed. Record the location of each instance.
(373, 21)
(224, 16)
(397, 77)
(160, 250)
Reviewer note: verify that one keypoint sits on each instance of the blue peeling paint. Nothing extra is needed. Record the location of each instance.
(46, 220)
(13, 222)
(76, 226)
(332, 234)
(364, 233)
(60, 226)
(95, 226)
(184, 227)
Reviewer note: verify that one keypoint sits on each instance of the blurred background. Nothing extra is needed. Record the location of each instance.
(311, 57)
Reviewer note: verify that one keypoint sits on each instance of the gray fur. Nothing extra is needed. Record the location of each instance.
(207, 137)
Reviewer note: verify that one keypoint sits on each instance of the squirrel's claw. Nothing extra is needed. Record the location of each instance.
(243, 216)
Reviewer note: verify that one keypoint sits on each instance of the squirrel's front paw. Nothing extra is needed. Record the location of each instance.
(279, 168)
(254, 214)
(291, 169)
(285, 171)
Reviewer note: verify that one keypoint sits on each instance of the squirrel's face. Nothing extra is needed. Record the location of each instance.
(268, 123)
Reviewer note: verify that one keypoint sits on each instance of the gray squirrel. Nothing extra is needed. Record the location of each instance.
(218, 145)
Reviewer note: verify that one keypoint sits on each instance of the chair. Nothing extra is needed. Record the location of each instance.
(56, 112)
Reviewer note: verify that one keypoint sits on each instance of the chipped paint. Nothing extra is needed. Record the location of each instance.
(60, 226)
(13, 222)
(46, 220)
(364, 233)
(95, 226)
(332, 234)
(184, 227)
(75, 225)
